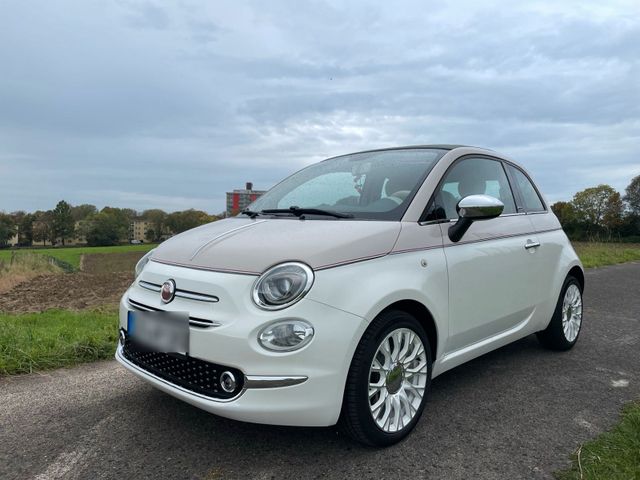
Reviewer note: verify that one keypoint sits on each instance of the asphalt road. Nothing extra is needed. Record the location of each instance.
(518, 412)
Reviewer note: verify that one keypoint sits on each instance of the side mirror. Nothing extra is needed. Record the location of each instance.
(471, 209)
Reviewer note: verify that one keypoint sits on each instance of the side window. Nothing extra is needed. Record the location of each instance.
(471, 176)
(530, 197)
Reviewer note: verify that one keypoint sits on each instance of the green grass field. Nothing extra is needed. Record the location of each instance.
(55, 338)
(71, 255)
(594, 254)
(614, 455)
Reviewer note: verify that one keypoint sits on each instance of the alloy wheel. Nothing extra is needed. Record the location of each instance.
(397, 380)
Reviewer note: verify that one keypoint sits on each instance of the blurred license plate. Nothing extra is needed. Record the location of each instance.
(160, 331)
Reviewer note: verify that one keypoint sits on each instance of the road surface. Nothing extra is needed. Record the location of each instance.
(518, 412)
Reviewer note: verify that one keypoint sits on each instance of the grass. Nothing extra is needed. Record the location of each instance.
(597, 254)
(22, 267)
(55, 338)
(613, 455)
(71, 255)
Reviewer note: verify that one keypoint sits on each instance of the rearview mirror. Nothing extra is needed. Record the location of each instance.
(471, 209)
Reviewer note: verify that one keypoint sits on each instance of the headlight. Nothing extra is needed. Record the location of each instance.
(282, 285)
(286, 335)
(142, 262)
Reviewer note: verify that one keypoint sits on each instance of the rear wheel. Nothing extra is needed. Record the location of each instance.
(388, 380)
(564, 327)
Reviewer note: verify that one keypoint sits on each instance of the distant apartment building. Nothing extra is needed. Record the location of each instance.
(138, 229)
(238, 200)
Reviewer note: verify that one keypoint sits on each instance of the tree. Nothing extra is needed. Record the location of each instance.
(597, 208)
(565, 213)
(158, 219)
(632, 196)
(179, 222)
(63, 224)
(7, 229)
(106, 228)
(82, 212)
(25, 229)
(42, 227)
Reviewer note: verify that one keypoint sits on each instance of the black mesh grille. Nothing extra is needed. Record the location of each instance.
(189, 373)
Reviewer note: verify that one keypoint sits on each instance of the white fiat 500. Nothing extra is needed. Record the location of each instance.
(341, 292)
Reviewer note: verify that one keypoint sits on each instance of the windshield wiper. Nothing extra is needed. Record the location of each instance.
(250, 213)
(298, 212)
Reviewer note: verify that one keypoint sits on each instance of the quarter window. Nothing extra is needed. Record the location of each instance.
(471, 176)
(530, 197)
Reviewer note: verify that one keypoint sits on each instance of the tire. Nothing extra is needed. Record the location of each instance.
(397, 389)
(555, 336)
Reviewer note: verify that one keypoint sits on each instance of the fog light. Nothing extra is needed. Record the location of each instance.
(228, 382)
(286, 336)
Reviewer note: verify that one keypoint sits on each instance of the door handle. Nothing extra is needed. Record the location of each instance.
(531, 244)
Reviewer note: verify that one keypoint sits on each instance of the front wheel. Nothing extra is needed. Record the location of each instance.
(564, 327)
(388, 380)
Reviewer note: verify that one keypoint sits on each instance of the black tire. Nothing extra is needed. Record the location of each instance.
(553, 337)
(356, 419)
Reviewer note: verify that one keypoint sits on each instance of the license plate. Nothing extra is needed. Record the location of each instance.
(160, 331)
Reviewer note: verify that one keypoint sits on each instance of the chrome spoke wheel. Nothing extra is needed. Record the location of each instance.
(397, 379)
(571, 312)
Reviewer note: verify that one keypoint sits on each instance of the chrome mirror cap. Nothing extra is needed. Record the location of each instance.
(479, 207)
(471, 209)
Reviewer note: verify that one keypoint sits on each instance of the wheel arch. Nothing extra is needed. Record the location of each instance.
(421, 313)
(578, 273)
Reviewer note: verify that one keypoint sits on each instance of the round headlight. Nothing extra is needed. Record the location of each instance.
(143, 262)
(282, 285)
(286, 335)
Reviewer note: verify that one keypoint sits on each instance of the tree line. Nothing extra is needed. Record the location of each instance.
(595, 213)
(109, 226)
(602, 213)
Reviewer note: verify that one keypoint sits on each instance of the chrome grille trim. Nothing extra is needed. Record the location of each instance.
(150, 286)
(193, 321)
(200, 297)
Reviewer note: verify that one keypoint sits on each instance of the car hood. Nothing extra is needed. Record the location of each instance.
(251, 246)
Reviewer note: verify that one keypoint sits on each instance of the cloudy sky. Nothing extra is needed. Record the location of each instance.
(170, 104)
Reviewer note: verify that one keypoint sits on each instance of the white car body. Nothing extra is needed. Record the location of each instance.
(471, 296)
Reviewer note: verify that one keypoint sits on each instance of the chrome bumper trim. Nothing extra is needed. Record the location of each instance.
(259, 381)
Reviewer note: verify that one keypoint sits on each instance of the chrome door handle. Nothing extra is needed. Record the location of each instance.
(531, 244)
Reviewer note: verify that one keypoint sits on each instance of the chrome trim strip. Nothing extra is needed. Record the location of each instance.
(150, 286)
(196, 322)
(259, 381)
(228, 232)
(132, 366)
(201, 297)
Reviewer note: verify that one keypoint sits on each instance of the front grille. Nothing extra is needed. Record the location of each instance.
(190, 373)
(193, 321)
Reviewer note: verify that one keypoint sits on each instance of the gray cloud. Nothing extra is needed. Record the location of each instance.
(171, 104)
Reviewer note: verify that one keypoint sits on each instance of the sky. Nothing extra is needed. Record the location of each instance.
(171, 104)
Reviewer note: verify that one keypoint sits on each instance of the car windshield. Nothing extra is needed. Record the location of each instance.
(375, 185)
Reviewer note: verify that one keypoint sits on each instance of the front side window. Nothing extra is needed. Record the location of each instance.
(529, 194)
(471, 176)
(369, 185)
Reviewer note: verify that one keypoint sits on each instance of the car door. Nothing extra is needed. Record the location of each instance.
(492, 267)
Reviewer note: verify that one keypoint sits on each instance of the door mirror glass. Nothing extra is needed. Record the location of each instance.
(473, 208)
(479, 207)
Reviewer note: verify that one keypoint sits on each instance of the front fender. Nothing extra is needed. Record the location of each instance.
(367, 288)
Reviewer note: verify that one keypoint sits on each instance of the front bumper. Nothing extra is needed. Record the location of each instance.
(300, 388)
